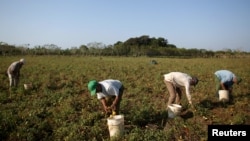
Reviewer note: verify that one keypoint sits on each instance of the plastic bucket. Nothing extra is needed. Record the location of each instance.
(174, 110)
(116, 125)
(27, 86)
(223, 95)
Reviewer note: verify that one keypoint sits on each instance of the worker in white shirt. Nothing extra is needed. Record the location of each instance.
(13, 72)
(174, 82)
(109, 92)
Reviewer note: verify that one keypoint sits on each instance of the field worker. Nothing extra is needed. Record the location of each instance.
(14, 72)
(174, 82)
(224, 80)
(109, 92)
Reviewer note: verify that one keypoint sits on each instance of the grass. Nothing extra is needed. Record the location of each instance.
(59, 107)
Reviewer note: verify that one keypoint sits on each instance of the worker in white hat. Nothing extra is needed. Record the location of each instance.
(14, 72)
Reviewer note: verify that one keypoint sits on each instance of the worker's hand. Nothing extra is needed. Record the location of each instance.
(107, 109)
(191, 106)
(112, 107)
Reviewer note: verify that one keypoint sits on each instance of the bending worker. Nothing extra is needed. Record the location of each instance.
(13, 72)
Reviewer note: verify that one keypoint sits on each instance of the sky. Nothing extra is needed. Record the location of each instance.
(201, 24)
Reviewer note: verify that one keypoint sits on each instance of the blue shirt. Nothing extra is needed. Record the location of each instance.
(225, 77)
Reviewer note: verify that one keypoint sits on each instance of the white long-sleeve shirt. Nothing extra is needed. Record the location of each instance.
(179, 79)
(14, 68)
(110, 87)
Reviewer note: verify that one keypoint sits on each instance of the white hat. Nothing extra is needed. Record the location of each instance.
(22, 60)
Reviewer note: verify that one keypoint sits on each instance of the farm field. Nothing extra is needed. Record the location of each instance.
(59, 107)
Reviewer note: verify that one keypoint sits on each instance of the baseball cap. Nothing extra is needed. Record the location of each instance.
(92, 87)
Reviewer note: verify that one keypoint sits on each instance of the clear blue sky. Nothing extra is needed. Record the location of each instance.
(201, 24)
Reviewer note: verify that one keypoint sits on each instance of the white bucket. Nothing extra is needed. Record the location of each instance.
(223, 95)
(27, 86)
(174, 110)
(116, 125)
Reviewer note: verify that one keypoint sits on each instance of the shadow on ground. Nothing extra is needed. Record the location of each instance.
(209, 104)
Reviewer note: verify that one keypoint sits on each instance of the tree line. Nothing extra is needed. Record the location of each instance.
(136, 46)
